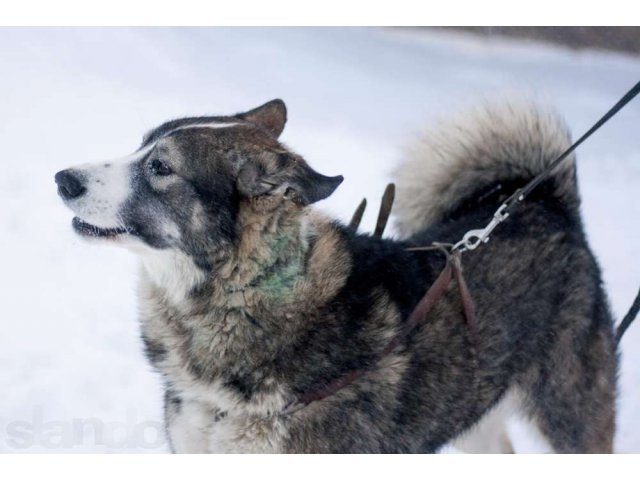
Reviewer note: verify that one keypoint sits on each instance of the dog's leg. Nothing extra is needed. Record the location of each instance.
(571, 396)
(188, 425)
(489, 435)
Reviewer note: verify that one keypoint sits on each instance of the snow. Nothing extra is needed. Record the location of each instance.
(72, 371)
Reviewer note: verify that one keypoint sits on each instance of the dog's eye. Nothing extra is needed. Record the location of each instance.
(158, 167)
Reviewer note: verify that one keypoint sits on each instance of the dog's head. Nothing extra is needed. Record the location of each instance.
(184, 187)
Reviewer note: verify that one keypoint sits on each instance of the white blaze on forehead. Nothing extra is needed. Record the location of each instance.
(212, 125)
(205, 125)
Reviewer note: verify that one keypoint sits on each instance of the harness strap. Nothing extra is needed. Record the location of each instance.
(471, 240)
(383, 214)
(418, 316)
(465, 295)
(354, 224)
(385, 210)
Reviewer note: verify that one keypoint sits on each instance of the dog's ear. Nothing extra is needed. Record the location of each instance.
(287, 174)
(271, 116)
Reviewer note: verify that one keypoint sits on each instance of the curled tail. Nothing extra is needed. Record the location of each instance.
(465, 156)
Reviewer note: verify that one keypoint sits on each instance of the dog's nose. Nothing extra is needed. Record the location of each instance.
(69, 184)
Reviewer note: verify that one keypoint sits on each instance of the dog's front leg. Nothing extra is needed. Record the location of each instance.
(188, 424)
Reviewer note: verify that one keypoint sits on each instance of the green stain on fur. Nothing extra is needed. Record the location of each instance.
(281, 283)
(286, 266)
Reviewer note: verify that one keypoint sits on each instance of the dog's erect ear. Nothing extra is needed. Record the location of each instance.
(307, 186)
(287, 174)
(271, 116)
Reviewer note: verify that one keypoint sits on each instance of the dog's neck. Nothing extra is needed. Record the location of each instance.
(285, 268)
(264, 263)
(268, 259)
(173, 273)
(282, 256)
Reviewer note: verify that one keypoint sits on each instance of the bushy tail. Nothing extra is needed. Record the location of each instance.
(483, 147)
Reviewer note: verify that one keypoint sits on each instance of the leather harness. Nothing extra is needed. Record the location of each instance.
(471, 240)
(452, 270)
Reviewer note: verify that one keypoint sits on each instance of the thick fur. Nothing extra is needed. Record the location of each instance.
(249, 299)
(480, 149)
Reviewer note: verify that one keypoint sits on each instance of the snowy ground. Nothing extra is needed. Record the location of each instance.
(72, 374)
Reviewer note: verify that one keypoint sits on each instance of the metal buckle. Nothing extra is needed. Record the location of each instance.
(474, 238)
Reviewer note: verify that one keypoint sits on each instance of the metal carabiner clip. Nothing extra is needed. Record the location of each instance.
(474, 238)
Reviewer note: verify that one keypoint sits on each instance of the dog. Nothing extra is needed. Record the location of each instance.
(251, 299)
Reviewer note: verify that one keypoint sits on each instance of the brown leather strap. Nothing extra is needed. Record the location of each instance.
(383, 215)
(354, 224)
(467, 301)
(426, 304)
(418, 316)
(385, 210)
(332, 387)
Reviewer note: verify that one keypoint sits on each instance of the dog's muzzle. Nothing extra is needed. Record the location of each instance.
(71, 188)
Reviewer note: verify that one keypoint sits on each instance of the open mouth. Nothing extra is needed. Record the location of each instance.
(87, 230)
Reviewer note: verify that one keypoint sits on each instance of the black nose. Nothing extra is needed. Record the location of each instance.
(69, 184)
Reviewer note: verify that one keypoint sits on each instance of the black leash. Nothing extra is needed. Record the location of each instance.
(628, 318)
(474, 238)
(522, 193)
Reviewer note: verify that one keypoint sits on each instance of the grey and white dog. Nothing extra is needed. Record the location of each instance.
(250, 299)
